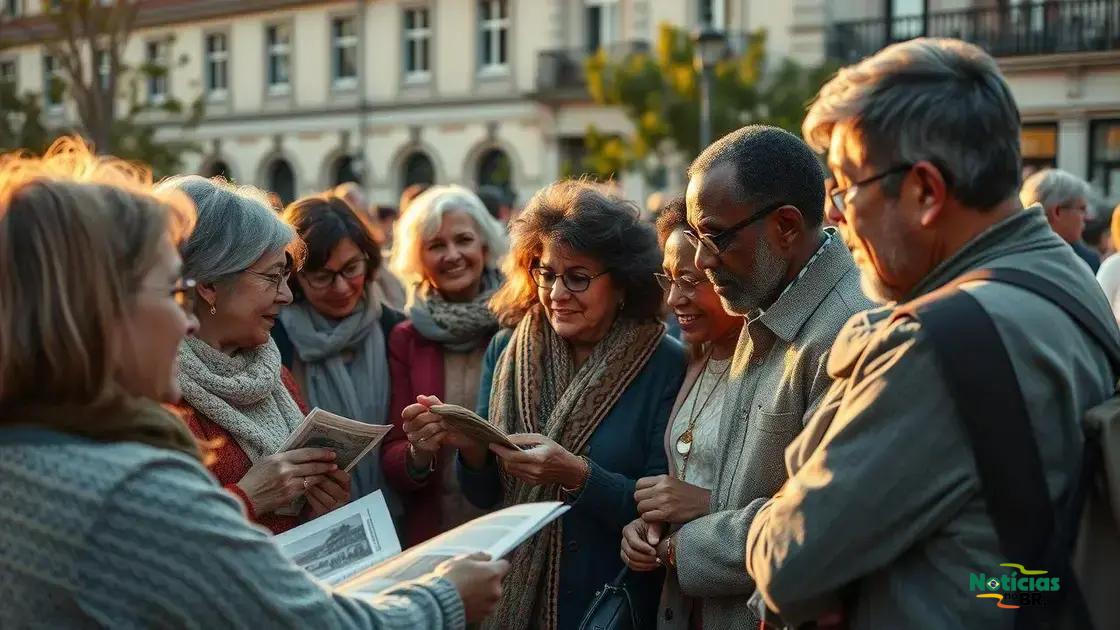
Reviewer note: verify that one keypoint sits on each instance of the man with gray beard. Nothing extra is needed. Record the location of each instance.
(755, 207)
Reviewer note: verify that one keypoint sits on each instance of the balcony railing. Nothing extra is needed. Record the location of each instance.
(1029, 28)
(561, 73)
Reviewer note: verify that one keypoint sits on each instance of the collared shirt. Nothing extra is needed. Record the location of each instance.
(778, 374)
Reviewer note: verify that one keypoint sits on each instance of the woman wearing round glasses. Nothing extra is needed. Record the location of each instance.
(584, 383)
(447, 251)
(237, 397)
(667, 501)
(334, 336)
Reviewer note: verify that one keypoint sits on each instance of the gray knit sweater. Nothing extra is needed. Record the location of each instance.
(129, 536)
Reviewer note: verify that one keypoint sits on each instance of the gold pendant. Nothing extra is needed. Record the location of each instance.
(684, 442)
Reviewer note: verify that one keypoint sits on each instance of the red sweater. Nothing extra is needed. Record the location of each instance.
(229, 463)
(415, 368)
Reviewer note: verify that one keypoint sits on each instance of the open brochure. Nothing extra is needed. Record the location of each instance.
(349, 439)
(495, 534)
(341, 543)
(472, 425)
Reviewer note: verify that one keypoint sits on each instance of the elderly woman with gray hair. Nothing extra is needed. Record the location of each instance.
(447, 251)
(1064, 197)
(236, 395)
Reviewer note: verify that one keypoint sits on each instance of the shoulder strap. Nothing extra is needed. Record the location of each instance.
(978, 371)
(1054, 293)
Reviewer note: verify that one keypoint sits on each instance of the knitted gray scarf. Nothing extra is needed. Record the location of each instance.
(242, 393)
(457, 326)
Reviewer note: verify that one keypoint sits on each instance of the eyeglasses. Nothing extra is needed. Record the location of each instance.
(324, 278)
(687, 286)
(574, 282)
(185, 295)
(274, 279)
(717, 243)
(837, 196)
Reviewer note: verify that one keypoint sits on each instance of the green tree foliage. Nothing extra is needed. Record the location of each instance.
(108, 95)
(659, 91)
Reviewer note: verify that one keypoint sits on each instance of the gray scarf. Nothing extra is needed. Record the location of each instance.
(346, 371)
(457, 326)
(242, 393)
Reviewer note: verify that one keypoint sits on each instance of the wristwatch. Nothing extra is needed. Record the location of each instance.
(419, 472)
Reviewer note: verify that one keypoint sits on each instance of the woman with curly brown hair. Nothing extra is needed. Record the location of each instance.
(584, 381)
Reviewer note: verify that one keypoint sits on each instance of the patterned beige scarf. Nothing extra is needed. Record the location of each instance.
(537, 389)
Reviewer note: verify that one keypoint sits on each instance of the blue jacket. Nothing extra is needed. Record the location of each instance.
(627, 445)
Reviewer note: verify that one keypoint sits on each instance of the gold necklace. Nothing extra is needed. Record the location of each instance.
(684, 442)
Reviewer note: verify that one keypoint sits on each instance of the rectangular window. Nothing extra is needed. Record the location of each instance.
(1039, 146)
(278, 42)
(907, 19)
(104, 68)
(1104, 157)
(11, 8)
(417, 44)
(217, 66)
(8, 82)
(493, 36)
(712, 14)
(157, 58)
(53, 85)
(602, 24)
(344, 51)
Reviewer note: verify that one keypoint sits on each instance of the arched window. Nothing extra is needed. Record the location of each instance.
(417, 169)
(282, 180)
(217, 168)
(495, 169)
(342, 171)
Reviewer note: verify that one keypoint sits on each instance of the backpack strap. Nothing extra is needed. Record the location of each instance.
(978, 371)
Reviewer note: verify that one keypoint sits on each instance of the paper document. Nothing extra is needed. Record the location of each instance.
(349, 439)
(495, 534)
(344, 542)
(472, 425)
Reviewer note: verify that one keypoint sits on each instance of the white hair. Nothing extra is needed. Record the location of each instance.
(1052, 187)
(422, 220)
(236, 226)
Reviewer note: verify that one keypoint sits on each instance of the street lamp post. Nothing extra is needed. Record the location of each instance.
(709, 47)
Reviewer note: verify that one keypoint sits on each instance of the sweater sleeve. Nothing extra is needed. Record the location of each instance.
(171, 549)
(394, 450)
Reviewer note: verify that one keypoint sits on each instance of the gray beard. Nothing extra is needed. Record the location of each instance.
(743, 295)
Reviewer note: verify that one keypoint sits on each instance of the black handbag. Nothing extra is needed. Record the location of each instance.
(611, 609)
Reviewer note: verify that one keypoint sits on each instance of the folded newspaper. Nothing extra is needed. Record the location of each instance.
(349, 439)
(355, 548)
(472, 425)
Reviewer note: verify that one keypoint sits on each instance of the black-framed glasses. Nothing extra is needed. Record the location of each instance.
(717, 243)
(837, 196)
(275, 279)
(684, 284)
(323, 278)
(185, 295)
(573, 281)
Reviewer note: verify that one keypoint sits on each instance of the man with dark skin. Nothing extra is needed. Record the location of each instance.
(755, 207)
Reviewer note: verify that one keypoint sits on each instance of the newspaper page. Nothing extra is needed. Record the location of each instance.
(472, 425)
(349, 439)
(495, 534)
(344, 542)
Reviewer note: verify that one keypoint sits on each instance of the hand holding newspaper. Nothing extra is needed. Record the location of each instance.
(472, 425)
(355, 548)
(349, 439)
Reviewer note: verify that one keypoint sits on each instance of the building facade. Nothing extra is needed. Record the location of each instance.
(302, 95)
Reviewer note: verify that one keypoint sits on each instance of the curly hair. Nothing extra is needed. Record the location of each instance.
(582, 216)
(671, 218)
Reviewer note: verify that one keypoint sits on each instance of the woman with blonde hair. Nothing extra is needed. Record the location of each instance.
(447, 251)
(111, 519)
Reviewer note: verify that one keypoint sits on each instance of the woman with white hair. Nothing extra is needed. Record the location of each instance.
(447, 251)
(236, 394)
(1064, 198)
